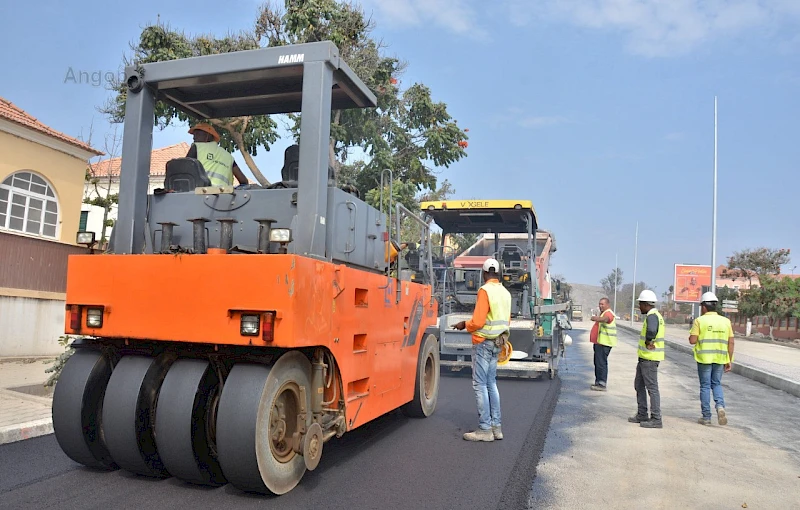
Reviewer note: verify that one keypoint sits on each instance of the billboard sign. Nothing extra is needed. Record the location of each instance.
(690, 282)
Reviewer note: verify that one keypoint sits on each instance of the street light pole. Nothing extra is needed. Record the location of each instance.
(616, 277)
(635, 258)
(714, 221)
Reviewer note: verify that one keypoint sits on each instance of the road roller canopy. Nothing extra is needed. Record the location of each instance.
(254, 82)
(482, 216)
(311, 79)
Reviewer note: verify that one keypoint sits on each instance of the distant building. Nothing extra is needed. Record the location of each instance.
(739, 283)
(42, 174)
(104, 181)
(743, 283)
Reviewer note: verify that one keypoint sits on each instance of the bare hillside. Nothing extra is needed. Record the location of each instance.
(588, 296)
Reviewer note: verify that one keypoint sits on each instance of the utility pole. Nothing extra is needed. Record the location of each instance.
(714, 221)
(635, 258)
(616, 277)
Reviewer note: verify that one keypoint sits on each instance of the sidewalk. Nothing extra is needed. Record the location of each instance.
(775, 365)
(593, 458)
(25, 404)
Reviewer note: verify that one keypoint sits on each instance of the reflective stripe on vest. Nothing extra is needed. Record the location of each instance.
(607, 333)
(656, 354)
(712, 340)
(499, 311)
(217, 162)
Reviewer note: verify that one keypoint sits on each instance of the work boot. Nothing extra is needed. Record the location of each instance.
(721, 417)
(479, 435)
(704, 421)
(638, 419)
(598, 387)
(652, 424)
(498, 432)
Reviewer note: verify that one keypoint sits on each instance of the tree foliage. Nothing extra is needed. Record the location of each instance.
(406, 133)
(627, 293)
(759, 262)
(776, 299)
(727, 294)
(57, 365)
(611, 282)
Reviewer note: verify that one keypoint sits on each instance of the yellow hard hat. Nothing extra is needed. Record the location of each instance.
(505, 353)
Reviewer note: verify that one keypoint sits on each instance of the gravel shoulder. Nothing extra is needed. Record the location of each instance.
(593, 458)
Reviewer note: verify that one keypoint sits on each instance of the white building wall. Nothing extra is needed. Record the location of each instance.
(103, 188)
(35, 331)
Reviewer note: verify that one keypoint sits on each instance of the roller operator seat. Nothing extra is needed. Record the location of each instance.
(184, 175)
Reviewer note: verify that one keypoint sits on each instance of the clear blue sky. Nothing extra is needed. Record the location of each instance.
(600, 111)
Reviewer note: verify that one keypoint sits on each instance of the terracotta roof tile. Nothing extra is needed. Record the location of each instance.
(14, 113)
(158, 161)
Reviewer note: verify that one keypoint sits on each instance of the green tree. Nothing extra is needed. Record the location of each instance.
(626, 293)
(727, 294)
(612, 282)
(759, 262)
(463, 241)
(776, 299)
(406, 132)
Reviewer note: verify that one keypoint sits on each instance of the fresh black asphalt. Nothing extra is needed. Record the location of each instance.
(392, 463)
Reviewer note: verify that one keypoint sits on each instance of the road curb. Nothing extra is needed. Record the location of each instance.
(756, 374)
(19, 432)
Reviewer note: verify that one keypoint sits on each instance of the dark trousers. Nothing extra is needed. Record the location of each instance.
(646, 382)
(601, 353)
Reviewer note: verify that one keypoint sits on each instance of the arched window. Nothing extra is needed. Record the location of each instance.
(28, 204)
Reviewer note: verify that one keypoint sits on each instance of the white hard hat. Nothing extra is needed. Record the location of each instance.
(709, 297)
(648, 296)
(491, 264)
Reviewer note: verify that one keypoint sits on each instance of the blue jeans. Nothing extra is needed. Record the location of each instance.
(710, 381)
(484, 382)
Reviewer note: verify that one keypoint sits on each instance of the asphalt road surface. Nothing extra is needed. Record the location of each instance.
(393, 463)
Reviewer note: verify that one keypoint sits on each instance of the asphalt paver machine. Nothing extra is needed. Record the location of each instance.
(231, 332)
(509, 232)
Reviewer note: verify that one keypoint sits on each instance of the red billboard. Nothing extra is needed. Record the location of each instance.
(689, 282)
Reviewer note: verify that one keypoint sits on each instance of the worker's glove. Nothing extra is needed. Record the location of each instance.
(460, 326)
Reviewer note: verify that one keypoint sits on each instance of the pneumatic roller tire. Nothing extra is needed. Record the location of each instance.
(256, 421)
(78, 405)
(186, 420)
(426, 384)
(129, 414)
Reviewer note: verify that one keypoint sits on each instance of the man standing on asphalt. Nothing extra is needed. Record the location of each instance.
(604, 337)
(489, 327)
(712, 337)
(651, 353)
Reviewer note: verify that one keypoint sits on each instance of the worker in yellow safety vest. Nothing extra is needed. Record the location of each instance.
(604, 337)
(218, 163)
(651, 353)
(489, 326)
(712, 337)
